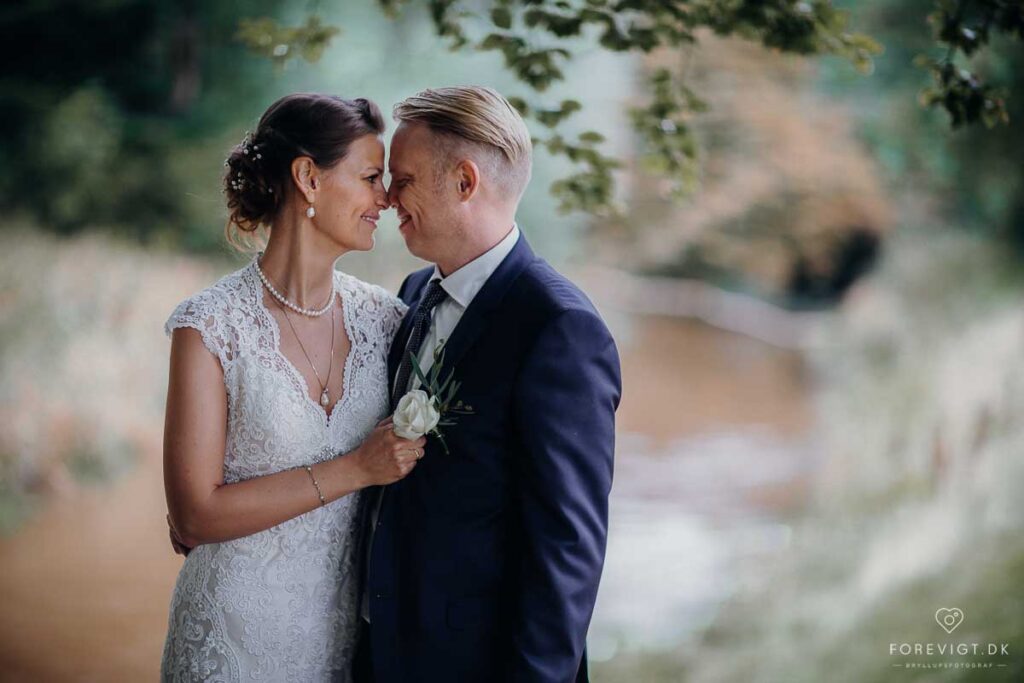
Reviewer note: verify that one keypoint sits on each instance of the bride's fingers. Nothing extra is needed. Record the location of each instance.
(178, 546)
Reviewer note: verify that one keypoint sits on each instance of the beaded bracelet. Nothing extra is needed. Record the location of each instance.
(309, 469)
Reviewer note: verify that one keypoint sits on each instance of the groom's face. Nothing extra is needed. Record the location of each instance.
(425, 204)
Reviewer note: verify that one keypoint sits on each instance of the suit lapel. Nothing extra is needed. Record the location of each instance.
(477, 316)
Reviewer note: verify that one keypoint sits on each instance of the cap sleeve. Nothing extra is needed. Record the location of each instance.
(206, 313)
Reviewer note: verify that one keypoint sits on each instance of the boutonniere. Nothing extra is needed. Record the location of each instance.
(425, 411)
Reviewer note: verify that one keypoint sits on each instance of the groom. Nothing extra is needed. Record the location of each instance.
(483, 564)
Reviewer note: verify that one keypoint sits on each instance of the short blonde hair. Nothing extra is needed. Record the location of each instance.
(469, 119)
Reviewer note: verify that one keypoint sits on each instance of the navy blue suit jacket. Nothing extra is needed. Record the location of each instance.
(485, 562)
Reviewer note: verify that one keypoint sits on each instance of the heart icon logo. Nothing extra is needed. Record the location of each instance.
(949, 618)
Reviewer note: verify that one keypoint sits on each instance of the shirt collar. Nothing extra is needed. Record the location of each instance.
(463, 284)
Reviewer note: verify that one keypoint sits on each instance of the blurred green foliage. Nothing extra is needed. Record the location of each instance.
(117, 114)
(972, 173)
(538, 38)
(109, 109)
(966, 27)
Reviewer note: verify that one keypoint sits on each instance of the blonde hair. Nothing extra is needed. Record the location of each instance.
(475, 121)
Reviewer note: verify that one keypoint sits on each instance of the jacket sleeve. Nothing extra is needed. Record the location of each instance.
(566, 398)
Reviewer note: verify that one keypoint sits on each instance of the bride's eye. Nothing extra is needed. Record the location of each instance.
(373, 179)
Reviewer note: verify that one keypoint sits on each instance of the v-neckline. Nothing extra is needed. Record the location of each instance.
(302, 385)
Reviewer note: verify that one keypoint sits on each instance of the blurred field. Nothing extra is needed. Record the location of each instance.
(82, 391)
(916, 502)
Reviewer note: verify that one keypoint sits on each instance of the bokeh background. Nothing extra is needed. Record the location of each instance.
(821, 437)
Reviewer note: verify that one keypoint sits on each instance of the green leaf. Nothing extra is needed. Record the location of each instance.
(418, 370)
(502, 17)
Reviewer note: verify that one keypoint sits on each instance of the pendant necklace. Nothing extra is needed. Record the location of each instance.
(325, 396)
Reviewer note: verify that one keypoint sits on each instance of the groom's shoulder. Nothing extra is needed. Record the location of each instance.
(548, 293)
(413, 282)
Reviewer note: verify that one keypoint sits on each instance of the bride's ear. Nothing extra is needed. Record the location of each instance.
(306, 176)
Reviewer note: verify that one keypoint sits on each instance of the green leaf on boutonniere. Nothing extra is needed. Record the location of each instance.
(442, 394)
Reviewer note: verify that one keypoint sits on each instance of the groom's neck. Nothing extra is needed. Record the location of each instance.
(478, 239)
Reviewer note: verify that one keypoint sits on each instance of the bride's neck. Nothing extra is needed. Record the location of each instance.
(299, 268)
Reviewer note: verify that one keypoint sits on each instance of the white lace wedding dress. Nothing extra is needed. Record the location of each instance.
(279, 605)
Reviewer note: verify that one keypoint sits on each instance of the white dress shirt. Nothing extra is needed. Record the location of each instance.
(462, 286)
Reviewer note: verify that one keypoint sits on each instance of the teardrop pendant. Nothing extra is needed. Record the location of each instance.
(325, 399)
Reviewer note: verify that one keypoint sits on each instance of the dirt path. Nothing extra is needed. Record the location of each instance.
(85, 585)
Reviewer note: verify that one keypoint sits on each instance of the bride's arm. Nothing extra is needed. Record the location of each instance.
(203, 509)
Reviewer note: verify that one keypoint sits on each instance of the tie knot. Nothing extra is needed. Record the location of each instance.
(434, 295)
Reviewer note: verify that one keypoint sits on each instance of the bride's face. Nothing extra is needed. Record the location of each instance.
(351, 196)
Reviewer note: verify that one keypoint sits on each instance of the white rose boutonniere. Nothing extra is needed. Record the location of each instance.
(424, 411)
(416, 415)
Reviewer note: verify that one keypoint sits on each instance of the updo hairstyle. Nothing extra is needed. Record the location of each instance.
(258, 174)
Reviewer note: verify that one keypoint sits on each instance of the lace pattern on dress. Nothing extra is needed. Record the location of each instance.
(280, 604)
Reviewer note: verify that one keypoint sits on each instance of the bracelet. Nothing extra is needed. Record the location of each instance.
(309, 469)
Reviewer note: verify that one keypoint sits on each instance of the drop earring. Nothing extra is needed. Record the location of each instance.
(310, 212)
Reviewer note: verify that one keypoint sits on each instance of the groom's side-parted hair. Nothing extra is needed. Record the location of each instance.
(475, 122)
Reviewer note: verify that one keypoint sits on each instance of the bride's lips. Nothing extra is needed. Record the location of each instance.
(371, 218)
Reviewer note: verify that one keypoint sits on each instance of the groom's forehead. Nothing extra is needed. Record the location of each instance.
(405, 151)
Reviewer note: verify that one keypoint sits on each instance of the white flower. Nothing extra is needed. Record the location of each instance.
(415, 415)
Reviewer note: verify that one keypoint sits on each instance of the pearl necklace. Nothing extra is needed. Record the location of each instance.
(312, 313)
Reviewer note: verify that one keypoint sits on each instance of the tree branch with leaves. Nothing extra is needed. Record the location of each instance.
(538, 38)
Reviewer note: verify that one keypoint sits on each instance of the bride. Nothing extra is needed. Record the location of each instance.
(274, 405)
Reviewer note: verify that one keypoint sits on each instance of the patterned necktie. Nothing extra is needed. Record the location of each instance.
(434, 295)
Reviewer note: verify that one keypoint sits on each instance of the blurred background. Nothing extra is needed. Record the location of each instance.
(820, 440)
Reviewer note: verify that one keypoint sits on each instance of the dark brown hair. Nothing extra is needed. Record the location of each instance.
(258, 174)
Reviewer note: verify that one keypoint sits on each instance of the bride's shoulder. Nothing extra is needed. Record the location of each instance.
(372, 294)
(212, 306)
(381, 305)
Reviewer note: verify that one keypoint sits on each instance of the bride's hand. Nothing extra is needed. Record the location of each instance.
(176, 541)
(385, 457)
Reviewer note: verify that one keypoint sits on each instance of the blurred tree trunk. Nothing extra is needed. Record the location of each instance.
(185, 62)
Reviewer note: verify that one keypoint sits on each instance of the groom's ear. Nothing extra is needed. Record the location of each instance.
(467, 177)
